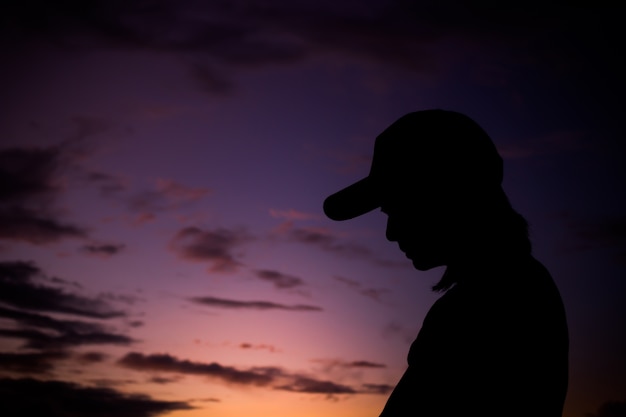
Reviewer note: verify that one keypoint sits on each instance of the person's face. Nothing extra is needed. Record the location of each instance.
(420, 229)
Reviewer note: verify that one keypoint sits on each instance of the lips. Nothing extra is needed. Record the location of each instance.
(405, 250)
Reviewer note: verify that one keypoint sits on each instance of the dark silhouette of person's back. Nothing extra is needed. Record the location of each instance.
(496, 342)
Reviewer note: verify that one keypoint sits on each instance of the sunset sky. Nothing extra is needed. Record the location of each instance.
(163, 164)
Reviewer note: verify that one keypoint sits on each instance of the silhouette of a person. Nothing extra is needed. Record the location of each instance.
(496, 342)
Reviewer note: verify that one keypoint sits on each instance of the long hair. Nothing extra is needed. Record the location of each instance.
(492, 220)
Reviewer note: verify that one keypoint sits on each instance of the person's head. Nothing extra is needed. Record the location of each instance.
(437, 175)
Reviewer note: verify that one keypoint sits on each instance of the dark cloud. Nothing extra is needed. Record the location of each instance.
(29, 184)
(30, 363)
(163, 381)
(84, 127)
(166, 194)
(251, 305)
(210, 80)
(21, 287)
(270, 377)
(373, 293)
(91, 357)
(128, 299)
(314, 386)
(44, 332)
(31, 226)
(25, 294)
(168, 363)
(610, 409)
(396, 330)
(329, 364)
(38, 339)
(279, 279)
(111, 383)
(256, 32)
(210, 400)
(216, 247)
(364, 364)
(399, 33)
(377, 388)
(31, 397)
(261, 346)
(28, 172)
(327, 241)
(108, 185)
(292, 214)
(33, 320)
(103, 249)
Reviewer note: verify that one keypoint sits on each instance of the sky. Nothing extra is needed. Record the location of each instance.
(163, 250)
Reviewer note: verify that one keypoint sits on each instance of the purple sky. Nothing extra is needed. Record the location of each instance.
(163, 166)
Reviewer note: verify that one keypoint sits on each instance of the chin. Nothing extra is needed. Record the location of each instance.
(423, 265)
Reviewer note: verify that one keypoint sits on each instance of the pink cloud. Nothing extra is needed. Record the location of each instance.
(292, 214)
(216, 246)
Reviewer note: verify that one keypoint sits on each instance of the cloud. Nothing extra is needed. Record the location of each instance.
(330, 364)
(26, 293)
(163, 381)
(373, 293)
(209, 400)
(103, 250)
(30, 363)
(47, 333)
(292, 214)
(85, 127)
(213, 246)
(251, 305)
(261, 346)
(396, 330)
(21, 287)
(91, 357)
(269, 377)
(41, 340)
(168, 363)
(167, 195)
(305, 384)
(210, 80)
(26, 225)
(56, 398)
(252, 33)
(218, 39)
(30, 184)
(279, 279)
(377, 388)
(326, 240)
(29, 172)
(109, 185)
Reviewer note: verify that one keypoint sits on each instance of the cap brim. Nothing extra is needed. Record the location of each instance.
(353, 201)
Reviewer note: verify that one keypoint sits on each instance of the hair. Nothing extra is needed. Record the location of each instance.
(492, 216)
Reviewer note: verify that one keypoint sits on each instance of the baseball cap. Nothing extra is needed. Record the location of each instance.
(422, 151)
